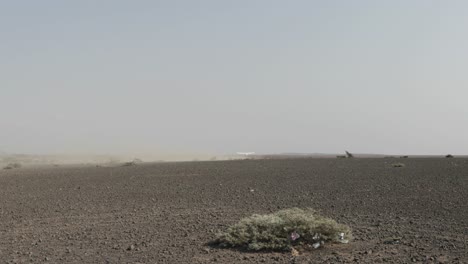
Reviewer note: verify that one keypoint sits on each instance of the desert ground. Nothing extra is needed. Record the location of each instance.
(170, 212)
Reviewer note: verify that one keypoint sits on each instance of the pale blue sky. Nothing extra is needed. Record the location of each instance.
(216, 77)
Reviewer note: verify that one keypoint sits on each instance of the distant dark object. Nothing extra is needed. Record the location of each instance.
(404, 157)
(132, 163)
(398, 165)
(341, 157)
(349, 155)
(11, 166)
(449, 156)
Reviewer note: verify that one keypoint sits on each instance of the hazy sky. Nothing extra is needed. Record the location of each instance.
(216, 77)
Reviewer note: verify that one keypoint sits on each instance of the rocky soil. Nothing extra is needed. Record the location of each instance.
(169, 212)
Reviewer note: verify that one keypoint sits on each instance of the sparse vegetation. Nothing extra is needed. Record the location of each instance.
(449, 156)
(11, 166)
(398, 165)
(283, 230)
(404, 157)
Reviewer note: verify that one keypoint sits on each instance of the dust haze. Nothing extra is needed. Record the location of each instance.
(159, 82)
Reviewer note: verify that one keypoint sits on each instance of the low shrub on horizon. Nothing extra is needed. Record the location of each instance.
(129, 163)
(282, 230)
(12, 166)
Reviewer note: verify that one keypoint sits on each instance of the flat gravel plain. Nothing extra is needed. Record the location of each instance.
(170, 212)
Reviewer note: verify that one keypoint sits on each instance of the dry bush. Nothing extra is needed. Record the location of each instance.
(449, 156)
(275, 231)
(398, 165)
(129, 163)
(12, 166)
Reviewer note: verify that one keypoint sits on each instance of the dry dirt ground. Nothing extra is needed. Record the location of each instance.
(168, 213)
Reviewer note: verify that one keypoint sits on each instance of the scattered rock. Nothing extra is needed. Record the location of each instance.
(294, 252)
(131, 247)
(392, 241)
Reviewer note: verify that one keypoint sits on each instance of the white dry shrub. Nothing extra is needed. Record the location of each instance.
(273, 231)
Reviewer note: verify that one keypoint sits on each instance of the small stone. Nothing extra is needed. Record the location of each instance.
(131, 247)
(294, 252)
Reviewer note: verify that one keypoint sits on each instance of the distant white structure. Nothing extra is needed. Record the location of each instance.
(246, 154)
